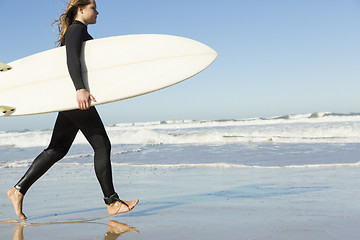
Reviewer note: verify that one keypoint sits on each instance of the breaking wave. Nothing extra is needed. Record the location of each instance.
(322, 127)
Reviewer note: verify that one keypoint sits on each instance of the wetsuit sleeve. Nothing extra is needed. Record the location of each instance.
(73, 43)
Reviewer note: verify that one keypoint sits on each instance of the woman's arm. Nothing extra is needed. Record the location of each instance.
(73, 42)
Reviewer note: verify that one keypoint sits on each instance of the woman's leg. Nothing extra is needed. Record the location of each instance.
(90, 124)
(63, 135)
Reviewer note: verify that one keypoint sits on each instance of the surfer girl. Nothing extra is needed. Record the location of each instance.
(72, 33)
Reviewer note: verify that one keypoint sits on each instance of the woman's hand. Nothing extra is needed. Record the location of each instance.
(84, 98)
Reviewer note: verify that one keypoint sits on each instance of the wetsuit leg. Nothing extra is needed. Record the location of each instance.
(63, 135)
(67, 125)
(90, 124)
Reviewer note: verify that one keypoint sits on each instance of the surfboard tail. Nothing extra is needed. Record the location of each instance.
(6, 110)
(4, 67)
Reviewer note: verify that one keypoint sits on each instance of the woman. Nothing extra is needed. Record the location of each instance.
(73, 32)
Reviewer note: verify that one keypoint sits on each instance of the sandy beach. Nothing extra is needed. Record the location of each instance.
(189, 203)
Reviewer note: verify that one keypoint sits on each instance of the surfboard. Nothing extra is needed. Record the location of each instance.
(113, 68)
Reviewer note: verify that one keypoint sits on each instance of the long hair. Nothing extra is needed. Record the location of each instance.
(67, 18)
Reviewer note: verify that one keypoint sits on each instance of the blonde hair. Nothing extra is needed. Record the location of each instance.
(67, 18)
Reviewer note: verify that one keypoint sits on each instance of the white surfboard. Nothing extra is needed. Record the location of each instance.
(114, 68)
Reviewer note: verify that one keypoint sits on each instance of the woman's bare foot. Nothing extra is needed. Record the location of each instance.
(17, 198)
(120, 228)
(119, 207)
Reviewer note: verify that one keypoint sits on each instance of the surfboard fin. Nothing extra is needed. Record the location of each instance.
(4, 67)
(6, 110)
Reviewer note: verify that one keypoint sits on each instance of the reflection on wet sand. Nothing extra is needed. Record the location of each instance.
(114, 230)
(19, 233)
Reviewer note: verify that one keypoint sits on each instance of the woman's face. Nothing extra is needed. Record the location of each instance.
(89, 13)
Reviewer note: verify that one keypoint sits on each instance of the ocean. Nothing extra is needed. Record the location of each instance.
(286, 177)
(293, 141)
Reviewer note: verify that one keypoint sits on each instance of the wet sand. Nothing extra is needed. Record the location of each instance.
(189, 203)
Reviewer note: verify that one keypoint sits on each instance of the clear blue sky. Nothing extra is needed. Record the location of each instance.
(276, 57)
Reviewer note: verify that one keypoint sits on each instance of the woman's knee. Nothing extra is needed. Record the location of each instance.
(56, 153)
(101, 142)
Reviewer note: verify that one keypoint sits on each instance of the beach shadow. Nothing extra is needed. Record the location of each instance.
(153, 210)
(257, 191)
(82, 211)
(253, 191)
(114, 230)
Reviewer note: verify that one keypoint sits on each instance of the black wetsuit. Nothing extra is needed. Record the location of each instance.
(68, 123)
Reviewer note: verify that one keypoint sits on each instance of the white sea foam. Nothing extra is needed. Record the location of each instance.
(21, 164)
(298, 128)
(16, 164)
(227, 165)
